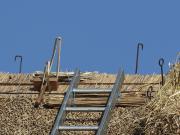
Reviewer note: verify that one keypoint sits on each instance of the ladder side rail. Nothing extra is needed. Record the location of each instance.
(61, 112)
(111, 103)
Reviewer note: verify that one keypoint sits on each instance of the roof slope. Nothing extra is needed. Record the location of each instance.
(18, 116)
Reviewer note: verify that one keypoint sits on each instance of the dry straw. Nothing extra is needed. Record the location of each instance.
(159, 116)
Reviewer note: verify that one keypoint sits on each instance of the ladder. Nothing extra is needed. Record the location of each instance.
(67, 106)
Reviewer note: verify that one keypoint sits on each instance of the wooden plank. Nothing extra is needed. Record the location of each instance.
(81, 104)
(81, 83)
(81, 101)
(14, 84)
(39, 80)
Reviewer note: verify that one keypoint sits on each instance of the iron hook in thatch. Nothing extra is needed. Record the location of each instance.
(137, 55)
(149, 92)
(161, 63)
(20, 66)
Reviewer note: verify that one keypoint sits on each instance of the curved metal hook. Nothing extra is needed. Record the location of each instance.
(149, 92)
(137, 55)
(161, 63)
(178, 58)
(20, 66)
(140, 45)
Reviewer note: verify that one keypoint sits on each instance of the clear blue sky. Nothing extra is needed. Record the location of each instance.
(98, 35)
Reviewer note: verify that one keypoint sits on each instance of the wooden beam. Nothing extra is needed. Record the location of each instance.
(127, 99)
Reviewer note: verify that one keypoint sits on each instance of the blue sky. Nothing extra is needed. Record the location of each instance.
(98, 35)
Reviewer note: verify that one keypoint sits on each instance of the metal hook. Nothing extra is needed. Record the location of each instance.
(161, 63)
(20, 66)
(149, 92)
(178, 58)
(137, 55)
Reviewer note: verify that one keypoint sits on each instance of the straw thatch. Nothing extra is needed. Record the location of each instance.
(164, 111)
(161, 115)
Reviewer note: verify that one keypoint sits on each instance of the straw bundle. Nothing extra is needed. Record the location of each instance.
(164, 110)
(160, 116)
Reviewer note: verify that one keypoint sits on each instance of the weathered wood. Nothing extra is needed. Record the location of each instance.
(127, 99)
(53, 104)
(14, 84)
(52, 82)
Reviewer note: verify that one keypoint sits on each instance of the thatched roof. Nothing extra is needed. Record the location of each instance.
(18, 116)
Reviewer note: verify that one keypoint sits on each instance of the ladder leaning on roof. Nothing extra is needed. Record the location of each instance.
(67, 106)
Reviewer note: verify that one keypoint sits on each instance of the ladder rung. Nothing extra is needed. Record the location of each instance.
(78, 128)
(85, 109)
(92, 90)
